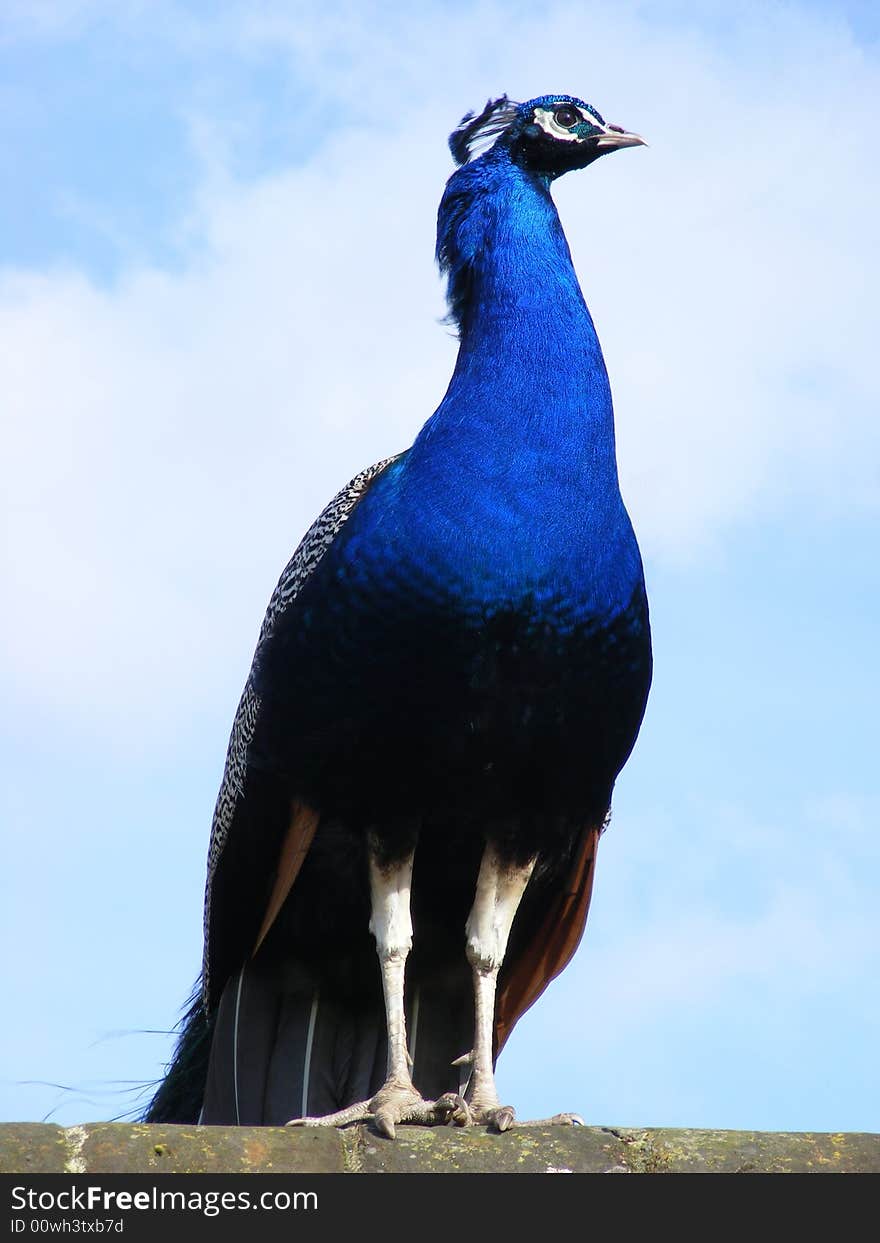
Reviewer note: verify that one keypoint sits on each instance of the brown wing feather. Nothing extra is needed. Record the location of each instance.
(303, 823)
(552, 949)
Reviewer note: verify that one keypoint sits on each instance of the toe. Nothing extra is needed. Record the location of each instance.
(556, 1120)
(502, 1118)
(453, 1109)
(383, 1121)
(354, 1113)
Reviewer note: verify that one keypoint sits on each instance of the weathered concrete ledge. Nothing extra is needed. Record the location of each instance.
(126, 1148)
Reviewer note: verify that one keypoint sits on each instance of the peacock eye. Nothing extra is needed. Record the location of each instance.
(566, 117)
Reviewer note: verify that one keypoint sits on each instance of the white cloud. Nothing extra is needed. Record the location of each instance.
(725, 896)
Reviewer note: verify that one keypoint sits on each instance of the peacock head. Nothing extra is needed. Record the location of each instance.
(549, 135)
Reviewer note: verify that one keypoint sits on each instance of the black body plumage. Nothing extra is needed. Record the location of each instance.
(458, 653)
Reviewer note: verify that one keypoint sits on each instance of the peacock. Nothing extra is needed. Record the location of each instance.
(452, 672)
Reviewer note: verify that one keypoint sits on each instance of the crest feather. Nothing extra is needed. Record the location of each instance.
(475, 133)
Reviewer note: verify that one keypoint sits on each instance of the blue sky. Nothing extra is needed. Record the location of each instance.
(218, 301)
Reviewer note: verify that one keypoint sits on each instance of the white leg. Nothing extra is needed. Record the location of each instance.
(500, 887)
(391, 925)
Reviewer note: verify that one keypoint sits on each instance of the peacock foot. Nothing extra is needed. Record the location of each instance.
(503, 1117)
(556, 1120)
(483, 1108)
(396, 1103)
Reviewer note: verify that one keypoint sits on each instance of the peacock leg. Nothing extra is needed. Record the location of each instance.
(397, 1101)
(500, 887)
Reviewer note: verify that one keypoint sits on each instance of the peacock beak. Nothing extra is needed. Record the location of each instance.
(614, 137)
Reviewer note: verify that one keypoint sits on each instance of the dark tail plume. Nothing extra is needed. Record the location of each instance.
(180, 1094)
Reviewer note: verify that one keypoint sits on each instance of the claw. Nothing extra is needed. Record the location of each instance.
(502, 1118)
(456, 1109)
(383, 1121)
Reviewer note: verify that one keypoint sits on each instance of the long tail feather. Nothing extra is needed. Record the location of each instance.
(179, 1096)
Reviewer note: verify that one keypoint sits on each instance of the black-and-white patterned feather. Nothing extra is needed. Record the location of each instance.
(311, 549)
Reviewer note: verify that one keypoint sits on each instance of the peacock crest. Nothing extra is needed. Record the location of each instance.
(475, 134)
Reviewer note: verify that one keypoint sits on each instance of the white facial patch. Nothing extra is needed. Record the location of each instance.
(548, 123)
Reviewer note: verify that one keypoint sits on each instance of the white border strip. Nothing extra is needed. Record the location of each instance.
(235, 1046)
(307, 1065)
(414, 1032)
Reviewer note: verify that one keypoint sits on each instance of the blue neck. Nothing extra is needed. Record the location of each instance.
(529, 395)
(512, 484)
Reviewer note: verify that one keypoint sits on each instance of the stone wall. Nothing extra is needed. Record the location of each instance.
(107, 1148)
